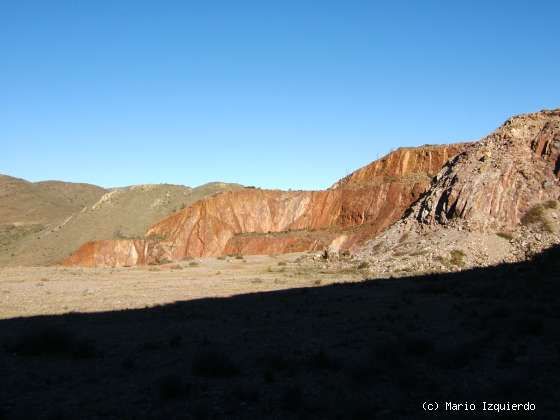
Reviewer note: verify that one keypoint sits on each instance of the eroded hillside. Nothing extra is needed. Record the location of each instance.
(119, 214)
(498, 201)
(254, 221)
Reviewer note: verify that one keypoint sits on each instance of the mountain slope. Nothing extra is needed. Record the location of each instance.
(254, 221)
(44, 202)
(119, 213)
(495, 202)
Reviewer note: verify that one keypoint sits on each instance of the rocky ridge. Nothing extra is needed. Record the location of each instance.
(255, 221)
(495, 202)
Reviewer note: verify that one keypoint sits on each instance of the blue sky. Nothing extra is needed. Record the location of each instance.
(283, 94)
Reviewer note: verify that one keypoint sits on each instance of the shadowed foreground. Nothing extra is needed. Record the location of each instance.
(376, 349)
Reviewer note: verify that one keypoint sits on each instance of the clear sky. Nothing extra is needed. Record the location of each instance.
(277, 94)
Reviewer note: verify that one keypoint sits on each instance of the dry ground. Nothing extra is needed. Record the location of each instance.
(371, 349)
(27, 291)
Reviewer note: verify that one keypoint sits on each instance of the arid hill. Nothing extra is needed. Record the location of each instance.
(28, 208)
(43, 202)
(497, 201)
(254, 221)
(46, 221)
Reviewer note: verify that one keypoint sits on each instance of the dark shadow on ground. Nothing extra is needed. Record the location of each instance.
(372, 350)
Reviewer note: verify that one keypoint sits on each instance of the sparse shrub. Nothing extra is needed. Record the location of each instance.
(317, 282)
(506, 235)
(214, 364)
(457, 258)
(193, 264)
(281, 263)
(239, 257)
(363, 265)
(221, 257)
(177, 267)
(534, 215)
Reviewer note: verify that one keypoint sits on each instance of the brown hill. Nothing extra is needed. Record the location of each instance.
(44, 202)
(28, 208)
(113, 214)
(254, 221)
(495, 202)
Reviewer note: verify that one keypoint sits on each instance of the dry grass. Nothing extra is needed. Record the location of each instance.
(536, 215)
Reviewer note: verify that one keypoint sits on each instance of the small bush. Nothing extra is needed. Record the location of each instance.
(536, 216)
(550, 204)
(221, 257)
(282, 263)
(214, 364)
(239, 257)
(363, 265)
(457, 258)
(193, 264)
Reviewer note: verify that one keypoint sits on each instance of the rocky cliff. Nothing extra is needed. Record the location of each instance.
(498, 201)
(254, 221)
(495, 182)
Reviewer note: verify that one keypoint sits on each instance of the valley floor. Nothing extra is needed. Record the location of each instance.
(374, 349)
(27, 291)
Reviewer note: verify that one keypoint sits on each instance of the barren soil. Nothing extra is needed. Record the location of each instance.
(27, 291)
(373, 349)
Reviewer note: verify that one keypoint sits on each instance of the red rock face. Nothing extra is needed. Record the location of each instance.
(110, 253)
(254, 221)
(495, 181)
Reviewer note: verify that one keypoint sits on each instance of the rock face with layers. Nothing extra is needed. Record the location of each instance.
(498, 201)
(496, 180)
(254, 221)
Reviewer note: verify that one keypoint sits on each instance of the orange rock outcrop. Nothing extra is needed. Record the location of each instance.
(255, 221)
